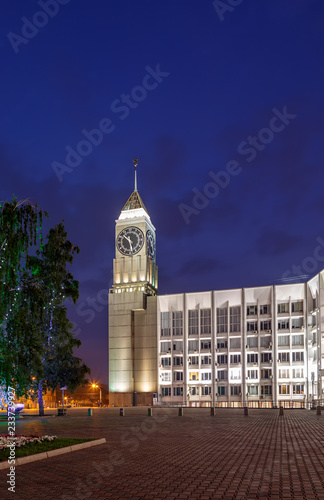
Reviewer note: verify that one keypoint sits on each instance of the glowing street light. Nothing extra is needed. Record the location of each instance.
(95, 386)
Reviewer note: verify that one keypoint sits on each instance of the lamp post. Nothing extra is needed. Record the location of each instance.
(95, 386)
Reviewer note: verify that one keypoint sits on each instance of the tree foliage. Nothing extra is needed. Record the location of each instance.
(36, 341)
(20, 346)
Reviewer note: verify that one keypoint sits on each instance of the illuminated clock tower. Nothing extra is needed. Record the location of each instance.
(132, 307)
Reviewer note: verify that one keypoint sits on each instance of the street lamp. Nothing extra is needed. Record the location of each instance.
(95, 386)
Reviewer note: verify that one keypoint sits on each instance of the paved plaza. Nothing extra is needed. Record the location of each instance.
(197, 456)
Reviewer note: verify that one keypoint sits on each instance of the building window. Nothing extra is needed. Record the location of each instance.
(252, 310)
(222, 390)
(284, 373)
(193, 375)
(253, 390)
(235, 343)
(297, 306)
(206, 391)
(298, 389)
(235, 390)
(222, 320)
(297, 339)
(193, 345)
(265, 341)
(252, 326)
(166, 391)
(194, 391)
(265, 325)
(297, 323)
(283, 324)
(206, 360)
(235, 319)
(265, 309)
(166, 361)
(235, 374)
(221, 344)
(252, 342)
(165, 324)
(177, 360)
(252, 358)
(178, 376)
(178, 345)
(266, 357)
(206, 376)
(205, 344)
(283, 340)
(284, 389)
(177, 391)
(298, 356)
(222, 374)
(266, 390)
(177, 323)
(252, 373)
(222, 359)
(283, 357)
(283, 308)
(298, 372)
(193, 360)
(235, 359)
(165, 346)
(166, 377)
(193, 322)
(205, 321)
(266, 373)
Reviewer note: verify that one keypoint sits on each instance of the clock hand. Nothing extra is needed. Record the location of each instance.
(130, 243)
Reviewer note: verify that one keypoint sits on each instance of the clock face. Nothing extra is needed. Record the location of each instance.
(130, 240)
(150, 244)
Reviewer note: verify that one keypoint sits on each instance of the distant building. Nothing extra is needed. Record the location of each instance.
(257, 346)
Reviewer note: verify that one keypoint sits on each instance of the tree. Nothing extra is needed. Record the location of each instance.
(50, 269)
(20, 342)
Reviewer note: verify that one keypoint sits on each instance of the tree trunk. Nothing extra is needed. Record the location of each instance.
(40, 398)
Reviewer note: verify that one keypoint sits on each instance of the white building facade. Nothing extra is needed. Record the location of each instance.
(258, 347)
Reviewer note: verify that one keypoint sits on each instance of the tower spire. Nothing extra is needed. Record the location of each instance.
(135, 161)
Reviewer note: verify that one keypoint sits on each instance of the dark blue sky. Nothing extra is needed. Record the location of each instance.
(206, 94)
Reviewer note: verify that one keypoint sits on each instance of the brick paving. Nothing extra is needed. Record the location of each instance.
(197, 456)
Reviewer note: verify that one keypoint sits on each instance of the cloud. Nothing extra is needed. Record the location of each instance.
(200, 265)
(276, 242)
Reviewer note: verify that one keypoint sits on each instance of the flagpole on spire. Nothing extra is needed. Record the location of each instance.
(135, 161)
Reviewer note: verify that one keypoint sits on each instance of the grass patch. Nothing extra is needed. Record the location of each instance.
(31, 449)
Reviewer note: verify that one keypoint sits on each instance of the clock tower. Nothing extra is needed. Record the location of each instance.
(132, 307)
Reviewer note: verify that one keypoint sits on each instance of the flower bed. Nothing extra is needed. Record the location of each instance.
(6, 440)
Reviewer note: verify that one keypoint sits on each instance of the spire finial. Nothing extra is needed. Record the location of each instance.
(135, 161)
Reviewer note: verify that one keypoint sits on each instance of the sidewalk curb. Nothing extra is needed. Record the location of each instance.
(52, 453)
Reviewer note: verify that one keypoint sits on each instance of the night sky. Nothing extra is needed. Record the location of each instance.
(224, 98)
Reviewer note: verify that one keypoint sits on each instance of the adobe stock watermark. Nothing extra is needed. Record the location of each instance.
(310, 264)
(222, 7)
(122, 108)
(31, 27)
(249, 149)
(92, 305)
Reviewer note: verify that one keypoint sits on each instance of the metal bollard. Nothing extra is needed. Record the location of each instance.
(212, 411)
(246, 411)
(180, 412)
(149, 412)
(121, 412)
(281, 411)
(318, 410)
(89, 412)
